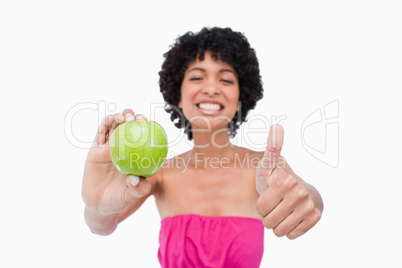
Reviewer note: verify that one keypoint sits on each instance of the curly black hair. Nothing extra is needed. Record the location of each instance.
(226, 45)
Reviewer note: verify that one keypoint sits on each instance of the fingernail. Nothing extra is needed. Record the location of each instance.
(129, 117)
(140, 117)
(134, 180)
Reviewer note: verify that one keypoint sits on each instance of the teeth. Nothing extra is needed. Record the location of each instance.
(210, 106)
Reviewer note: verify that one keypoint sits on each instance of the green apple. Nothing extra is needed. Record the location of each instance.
(138, 148)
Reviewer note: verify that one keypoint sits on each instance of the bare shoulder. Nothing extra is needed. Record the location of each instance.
(245, 158)
(248, 153)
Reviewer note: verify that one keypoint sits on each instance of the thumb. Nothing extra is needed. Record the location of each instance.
(137, 188)
(273, 149)
(268, 162)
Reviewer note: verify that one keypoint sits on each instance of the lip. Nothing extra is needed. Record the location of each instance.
(209, 112)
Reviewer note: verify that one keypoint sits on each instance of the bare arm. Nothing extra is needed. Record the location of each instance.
(105, 224)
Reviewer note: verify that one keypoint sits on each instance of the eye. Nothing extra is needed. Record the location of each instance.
(227, 81)
(195, 79)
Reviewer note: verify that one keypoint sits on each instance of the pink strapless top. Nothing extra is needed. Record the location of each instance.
(205, 241)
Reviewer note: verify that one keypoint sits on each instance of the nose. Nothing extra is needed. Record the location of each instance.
(211, 88)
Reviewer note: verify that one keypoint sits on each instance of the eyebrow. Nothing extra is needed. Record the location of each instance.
(220, 71)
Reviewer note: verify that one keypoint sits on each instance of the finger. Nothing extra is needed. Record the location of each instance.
(140, 117)
(294, 218)
(137, 187)
(281, 212)
(128, 115)
(268, 200)
(305, 225)
(277, 215)
(262, 180)
(128, 111)
(278, 177)
(103, 130)
(270, 158)
(108, 124)
(273, 149)
(118, 119)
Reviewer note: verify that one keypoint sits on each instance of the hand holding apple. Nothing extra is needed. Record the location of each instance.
(104, 188)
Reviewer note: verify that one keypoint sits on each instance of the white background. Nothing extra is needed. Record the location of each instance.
(55, 55)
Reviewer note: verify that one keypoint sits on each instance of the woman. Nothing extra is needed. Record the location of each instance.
(215, 199)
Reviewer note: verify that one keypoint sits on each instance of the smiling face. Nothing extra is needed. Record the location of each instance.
(209, 93)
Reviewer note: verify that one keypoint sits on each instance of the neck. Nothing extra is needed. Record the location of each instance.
(212, 143)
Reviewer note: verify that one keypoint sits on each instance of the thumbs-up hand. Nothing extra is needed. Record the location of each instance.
(287, 204)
